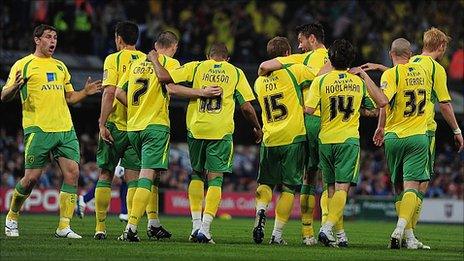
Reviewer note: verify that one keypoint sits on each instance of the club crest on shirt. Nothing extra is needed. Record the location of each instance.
(60, 67)
(383, 85)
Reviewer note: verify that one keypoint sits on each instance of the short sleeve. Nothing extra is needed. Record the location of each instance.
(12, 76)
(367, 101)
(243, 92)
(304, 75)
(317, 62)
(314, 98)
(294, 58)
(184, 73)
(440, 88)
(388, 83)
(110, 71)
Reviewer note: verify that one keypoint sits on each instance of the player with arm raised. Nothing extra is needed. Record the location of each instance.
(210, 125)
(148, 127)
(282, 153)
(340, 96)
(45, 88)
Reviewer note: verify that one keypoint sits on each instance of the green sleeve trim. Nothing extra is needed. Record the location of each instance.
(144, 183)
(103, 184)
(306, 60)
(125, 86)
(164, 61)
(238, 97)
(68, 188)
(296, 86)
(397, 76)
(23, 89)
(320, 82)
(132, 184)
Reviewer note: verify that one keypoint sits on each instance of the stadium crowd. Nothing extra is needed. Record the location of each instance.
(245, 26)
(374, 176)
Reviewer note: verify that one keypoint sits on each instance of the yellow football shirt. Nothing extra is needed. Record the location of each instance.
(46, 81)
(439, 91)
(340, 96)
(277, 93)
(406, 87)
(213, 118)
(315, 60)
(147, 98)
(114, 67)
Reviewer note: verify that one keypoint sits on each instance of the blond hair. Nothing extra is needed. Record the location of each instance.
(434, 38)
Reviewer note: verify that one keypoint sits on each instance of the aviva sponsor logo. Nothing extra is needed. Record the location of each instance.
(51, 77)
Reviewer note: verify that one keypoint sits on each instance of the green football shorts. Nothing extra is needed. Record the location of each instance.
(313, 126)
(211, 155)
(39, 145)
(282, 164)
(151, 146)
(108, 155)
(431, 137)
(407, 158)
(339, 162)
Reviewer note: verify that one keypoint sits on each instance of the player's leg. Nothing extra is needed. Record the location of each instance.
(82, 200)
(130, 161)
(123, 216)
(268, 176)
(196, 188)
(154, 227)
(291, 170)
(219, 159)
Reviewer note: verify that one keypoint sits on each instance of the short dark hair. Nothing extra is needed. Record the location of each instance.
(128, 31)
(166, 39)
(218, 49)
(40, 29)
(278, 46)
(313, 28)
(341, 54)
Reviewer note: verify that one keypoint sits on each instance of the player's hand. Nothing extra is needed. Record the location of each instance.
(91, 88)
(152, 56)
(105, 135)
(258, 134)
(459, 142)
(369, 113)
(379, 137)
(19, 81)
(211, 91)
(373, 66)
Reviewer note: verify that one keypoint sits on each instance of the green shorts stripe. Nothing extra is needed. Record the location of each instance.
(431, 137)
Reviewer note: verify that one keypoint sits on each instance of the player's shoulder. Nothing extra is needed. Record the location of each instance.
(113, 56)
(24, 60)
(321, 52)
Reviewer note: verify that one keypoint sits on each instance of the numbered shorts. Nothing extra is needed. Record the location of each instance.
(407, 158)
(313, 126)
(282, 164)
(151, 146)
(431, 138)
(108, 155)
(211, 155)
(339, 162)
(39, 145)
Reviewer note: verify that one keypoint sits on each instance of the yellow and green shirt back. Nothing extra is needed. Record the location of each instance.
(407, 88)
(340, 96)
(46, 81)
(213, 118)
(115, 65)
(280, 97)
(439, 91)
(147, 98)
(315, 60)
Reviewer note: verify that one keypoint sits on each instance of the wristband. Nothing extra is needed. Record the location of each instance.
(457, 131)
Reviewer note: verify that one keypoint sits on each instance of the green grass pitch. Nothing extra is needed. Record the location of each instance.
(368, 241)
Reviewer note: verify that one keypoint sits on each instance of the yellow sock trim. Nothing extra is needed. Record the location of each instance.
(324, 206)
(408, 205)
(307, 204)
(263, 194)
(212, 200)
(196, 193)
(284, 207)
(336, 206)
(17, 202)
(129, 198)
(102, 201)
(139, 204)
(152, 206)
(67, 204)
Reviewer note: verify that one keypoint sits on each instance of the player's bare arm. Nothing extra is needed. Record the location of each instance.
(380, 131)
(377, 95)
(90, 88)
(374, 67)
(185, 92)
(105, 111)
(269, 66)
(121, 95)
(9, 92)
(446, 109)
(250, 115)
(162, 74)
